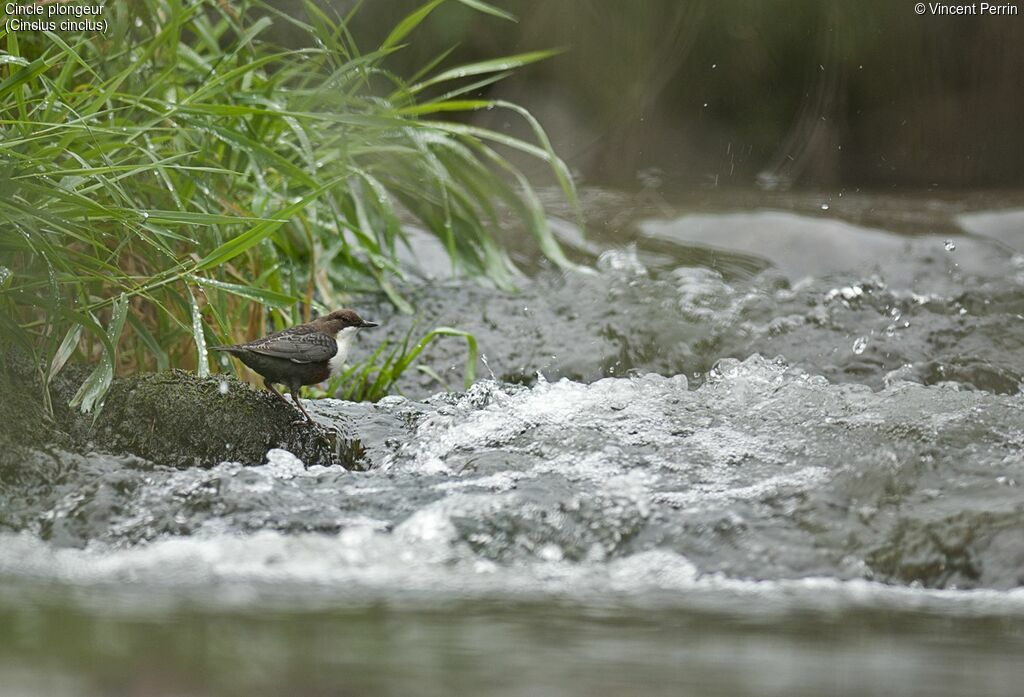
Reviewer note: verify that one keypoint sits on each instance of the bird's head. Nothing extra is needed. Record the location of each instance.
(340, 320)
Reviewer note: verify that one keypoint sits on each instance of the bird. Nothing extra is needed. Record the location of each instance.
(301, 355)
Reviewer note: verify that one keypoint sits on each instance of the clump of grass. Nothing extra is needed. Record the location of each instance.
(376, 376)
(180, 180)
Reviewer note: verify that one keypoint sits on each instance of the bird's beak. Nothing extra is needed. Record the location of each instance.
(368, 325)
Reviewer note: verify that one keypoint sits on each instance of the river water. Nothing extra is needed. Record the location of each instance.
(764, 447)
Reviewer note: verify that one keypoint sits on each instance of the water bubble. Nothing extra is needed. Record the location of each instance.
(860, 344)
(847, 293)
(949, 246)
(551, 552)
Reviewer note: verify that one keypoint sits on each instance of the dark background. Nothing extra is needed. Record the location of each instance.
(745, 93)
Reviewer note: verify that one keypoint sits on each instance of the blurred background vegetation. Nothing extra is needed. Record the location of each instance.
(802, 93)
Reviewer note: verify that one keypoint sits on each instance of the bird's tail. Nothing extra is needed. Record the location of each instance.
(229, 349)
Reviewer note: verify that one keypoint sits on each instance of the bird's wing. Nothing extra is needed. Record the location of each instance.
(298, 347)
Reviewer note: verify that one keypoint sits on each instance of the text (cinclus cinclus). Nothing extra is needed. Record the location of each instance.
(302, 355)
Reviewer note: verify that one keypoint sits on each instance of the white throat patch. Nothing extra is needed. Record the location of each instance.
(344, 338)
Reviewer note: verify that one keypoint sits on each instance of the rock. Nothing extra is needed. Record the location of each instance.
(179, 419)
(172, 418)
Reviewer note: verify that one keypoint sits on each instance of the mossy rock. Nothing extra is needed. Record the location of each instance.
(24, 422)
(179, 419)
(171, 418)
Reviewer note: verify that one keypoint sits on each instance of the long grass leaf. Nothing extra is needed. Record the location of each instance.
(484, 7)
(260, 295)
(64, 351)
(95, 387)
(410, 22)
(494, 65)
(202, 355)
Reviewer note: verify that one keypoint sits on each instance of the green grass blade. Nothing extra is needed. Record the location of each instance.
(410, 22)
(95, 387)
(495, 65)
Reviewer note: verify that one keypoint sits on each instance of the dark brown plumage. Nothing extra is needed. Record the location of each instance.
(301, 355)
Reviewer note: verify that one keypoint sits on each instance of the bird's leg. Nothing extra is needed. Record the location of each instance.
(270, 388)
(280, 396)
(295, 398)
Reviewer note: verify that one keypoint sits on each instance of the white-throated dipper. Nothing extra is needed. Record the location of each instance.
(302, 355)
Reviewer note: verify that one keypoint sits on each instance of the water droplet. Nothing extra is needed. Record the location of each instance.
(824, 206)
(714, 65)
(949, 246)
(483, 357)
(223, 387)
(860, 344)
(705, 105)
